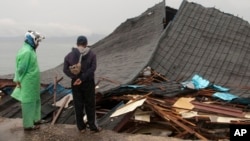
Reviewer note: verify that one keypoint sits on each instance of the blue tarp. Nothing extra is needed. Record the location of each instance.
(200, 83)
(7, 90)
(59, 89)
(197, 83)
(219, 88)
(132, 86)
(224, 96)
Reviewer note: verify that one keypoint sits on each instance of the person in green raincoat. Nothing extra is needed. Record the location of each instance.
(27, 79)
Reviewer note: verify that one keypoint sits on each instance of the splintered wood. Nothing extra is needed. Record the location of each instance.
(188, 115)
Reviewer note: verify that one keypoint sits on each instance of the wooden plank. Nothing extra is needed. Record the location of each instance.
(168, 117)
(59, 111)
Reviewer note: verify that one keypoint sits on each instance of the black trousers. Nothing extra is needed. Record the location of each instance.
(84, 101)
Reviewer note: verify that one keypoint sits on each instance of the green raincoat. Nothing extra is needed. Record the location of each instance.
(28, 74)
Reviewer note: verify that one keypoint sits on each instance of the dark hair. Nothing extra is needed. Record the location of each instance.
(82, 40)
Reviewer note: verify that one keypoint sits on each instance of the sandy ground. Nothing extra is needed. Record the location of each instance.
(11, 130)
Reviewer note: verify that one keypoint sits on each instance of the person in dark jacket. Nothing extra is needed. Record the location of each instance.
(83, 83)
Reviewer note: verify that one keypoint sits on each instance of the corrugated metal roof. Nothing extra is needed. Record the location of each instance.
(207, 42)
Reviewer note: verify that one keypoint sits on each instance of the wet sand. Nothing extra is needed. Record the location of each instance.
(12, 130)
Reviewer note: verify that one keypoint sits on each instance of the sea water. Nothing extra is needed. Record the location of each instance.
(50, 53)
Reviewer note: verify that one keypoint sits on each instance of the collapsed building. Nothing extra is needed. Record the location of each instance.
(197, 56)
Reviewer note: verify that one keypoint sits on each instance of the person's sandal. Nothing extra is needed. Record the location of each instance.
(35, 127)
(40, 122)
(98, 129)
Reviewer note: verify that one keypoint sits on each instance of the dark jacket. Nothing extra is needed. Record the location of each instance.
(88, 65)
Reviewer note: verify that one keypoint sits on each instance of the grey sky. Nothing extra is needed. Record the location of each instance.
(73, 17)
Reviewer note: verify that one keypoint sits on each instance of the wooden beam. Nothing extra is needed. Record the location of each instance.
(59, 111)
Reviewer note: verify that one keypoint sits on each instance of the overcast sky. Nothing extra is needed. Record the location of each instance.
(74, 17)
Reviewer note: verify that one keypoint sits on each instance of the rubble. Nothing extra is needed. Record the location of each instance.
(169, 98)
(154, 102)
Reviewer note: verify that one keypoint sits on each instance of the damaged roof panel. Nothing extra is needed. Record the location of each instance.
(207, 42)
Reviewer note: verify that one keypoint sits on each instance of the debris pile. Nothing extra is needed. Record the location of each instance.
(194, 109)
(152, 105)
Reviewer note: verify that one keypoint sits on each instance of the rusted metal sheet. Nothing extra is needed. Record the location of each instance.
(219, 109)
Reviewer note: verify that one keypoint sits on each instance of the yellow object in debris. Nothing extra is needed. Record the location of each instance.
(184, 103)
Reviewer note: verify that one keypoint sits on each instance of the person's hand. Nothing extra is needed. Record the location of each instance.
(18, 84)
(77, 82)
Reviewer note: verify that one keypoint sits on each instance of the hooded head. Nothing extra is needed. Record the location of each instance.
(33, 38)
(82, 40)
